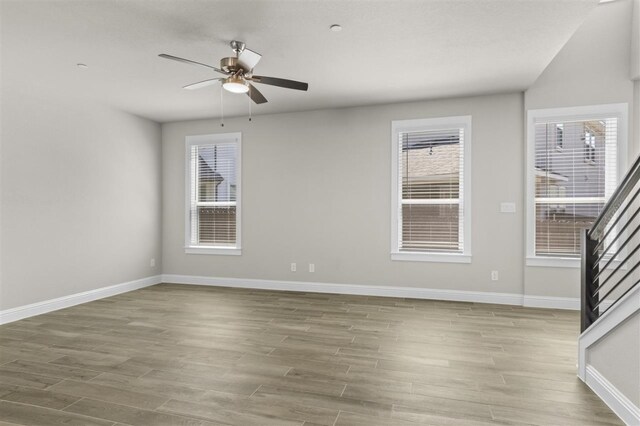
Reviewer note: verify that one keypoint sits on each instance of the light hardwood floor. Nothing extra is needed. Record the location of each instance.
(189, 355)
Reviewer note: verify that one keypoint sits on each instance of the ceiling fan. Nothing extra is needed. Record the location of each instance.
(239, 75)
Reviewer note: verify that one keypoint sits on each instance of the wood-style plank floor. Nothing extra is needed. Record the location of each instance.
(189, 355)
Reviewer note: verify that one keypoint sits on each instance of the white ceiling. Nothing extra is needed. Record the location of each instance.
(388, 51)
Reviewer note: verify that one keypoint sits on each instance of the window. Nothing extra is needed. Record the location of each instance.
(212, 222)
(430, 190)
(568, 188)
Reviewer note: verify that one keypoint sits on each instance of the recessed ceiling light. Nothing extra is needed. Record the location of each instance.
(335, 28)
(82, 66)
(606, 1)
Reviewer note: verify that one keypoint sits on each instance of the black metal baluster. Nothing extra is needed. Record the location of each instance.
(589, 280)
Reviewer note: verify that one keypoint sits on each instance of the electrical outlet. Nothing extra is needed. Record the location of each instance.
(152, 262)
(494, 275)
(312, 267)
(293, 267)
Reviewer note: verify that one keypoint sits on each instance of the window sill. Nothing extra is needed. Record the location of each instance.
(553, 262)
(225, 251)
(431, 257)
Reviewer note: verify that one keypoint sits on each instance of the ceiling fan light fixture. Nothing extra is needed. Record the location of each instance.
(235, 84)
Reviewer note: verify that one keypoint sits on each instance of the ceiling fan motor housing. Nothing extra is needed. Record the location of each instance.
(229, 65)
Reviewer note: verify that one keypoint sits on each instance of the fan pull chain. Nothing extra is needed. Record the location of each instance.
(250, 102)
(221, 109)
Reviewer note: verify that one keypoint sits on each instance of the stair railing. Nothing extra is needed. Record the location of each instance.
(609, 251)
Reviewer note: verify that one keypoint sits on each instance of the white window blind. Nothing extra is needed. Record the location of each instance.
(573, 180)
(431, 207)
(213, 180)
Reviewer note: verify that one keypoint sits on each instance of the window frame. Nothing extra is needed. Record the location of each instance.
(203, 140)
(535, 116)
(426, 124)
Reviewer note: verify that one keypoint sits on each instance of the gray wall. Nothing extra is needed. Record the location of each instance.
(616, 357)
(635, 41)
(316, 189)
(635, 148)
(80, 197)
(592, 69)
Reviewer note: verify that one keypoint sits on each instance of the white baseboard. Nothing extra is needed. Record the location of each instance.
(355, 289)
(572, 303)
(619, 404)
(15, 314)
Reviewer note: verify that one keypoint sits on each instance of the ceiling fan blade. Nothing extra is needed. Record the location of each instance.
(188, 61)
(248, 59)
(280, 82)
(201, 84)
(255, 95)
